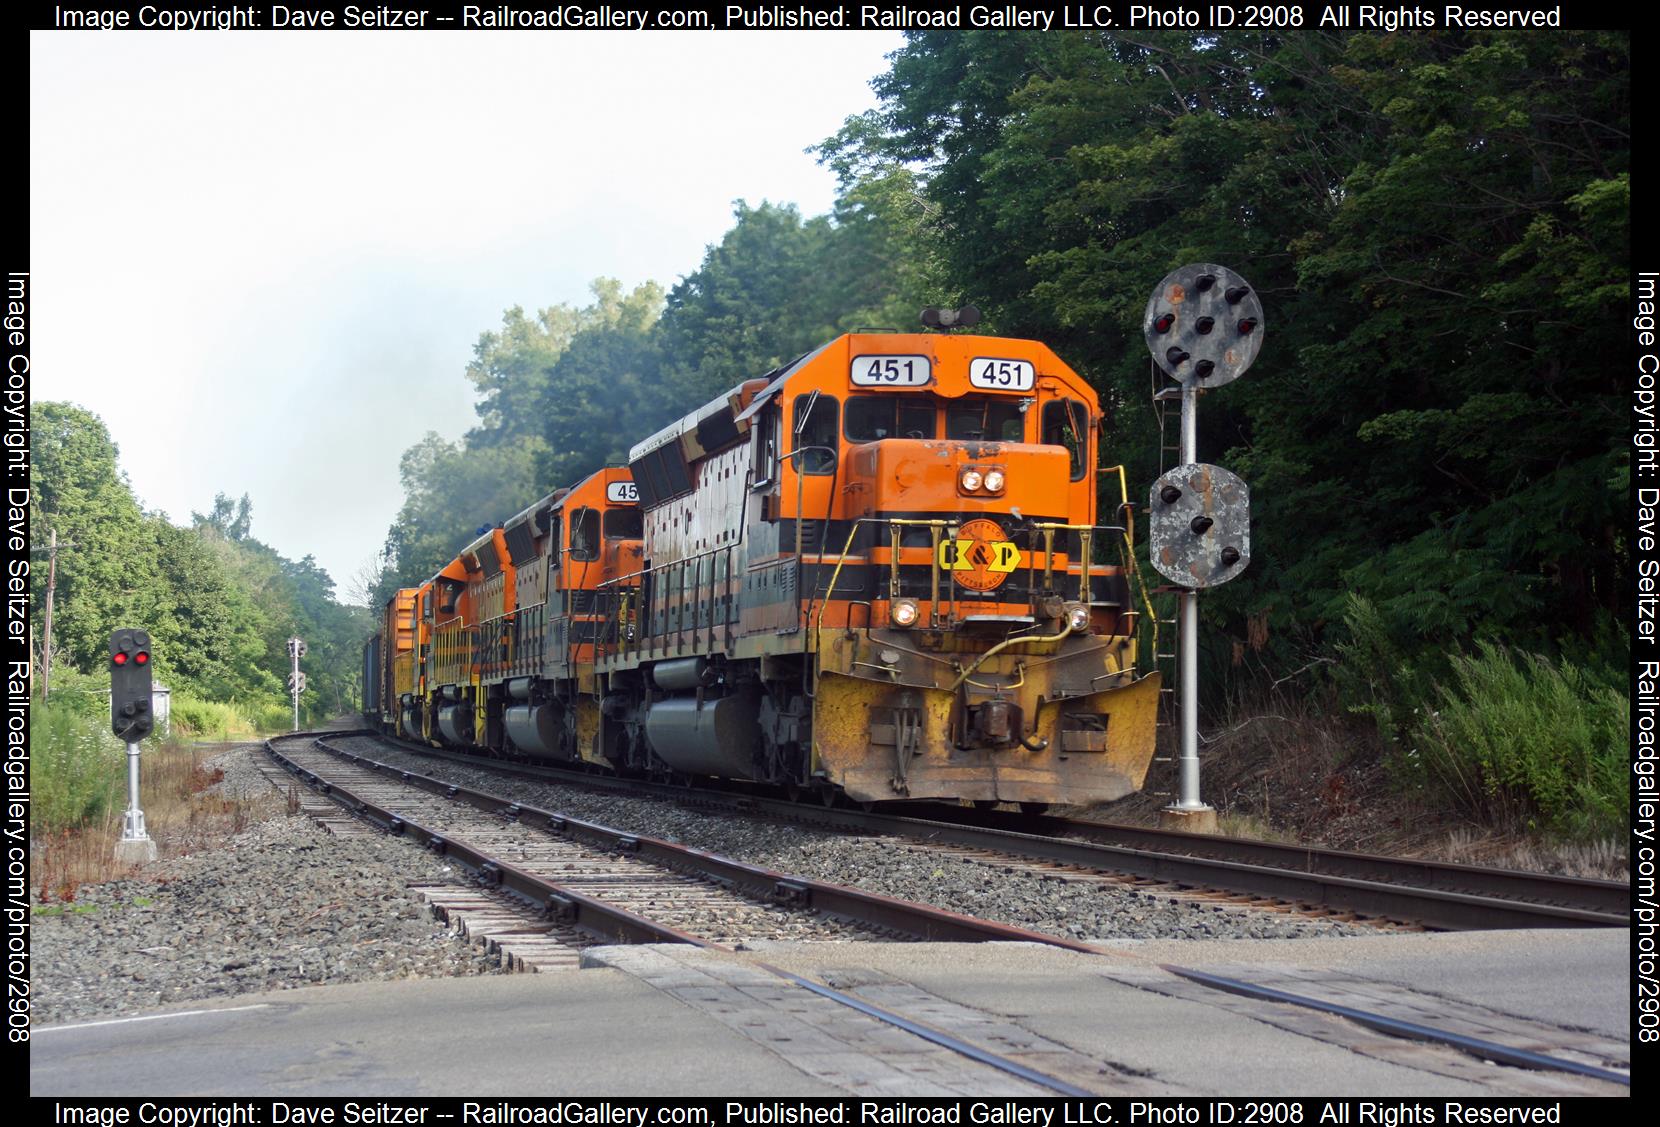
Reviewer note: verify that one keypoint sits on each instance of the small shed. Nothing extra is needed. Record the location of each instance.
(161, 700)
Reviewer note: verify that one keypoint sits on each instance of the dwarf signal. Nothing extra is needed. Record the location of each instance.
(131, 718)
(130, 685)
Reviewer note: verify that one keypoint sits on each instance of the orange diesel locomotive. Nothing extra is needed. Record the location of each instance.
(878, 571)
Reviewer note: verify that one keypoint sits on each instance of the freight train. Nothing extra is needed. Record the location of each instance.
(875, 573)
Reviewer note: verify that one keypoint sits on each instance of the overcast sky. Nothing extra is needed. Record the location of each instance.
(264, 258)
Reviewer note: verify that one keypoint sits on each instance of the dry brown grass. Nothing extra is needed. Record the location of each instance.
(185, 810)
(1605, 859)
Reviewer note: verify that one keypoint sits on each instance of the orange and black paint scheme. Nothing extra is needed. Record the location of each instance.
(877, 572)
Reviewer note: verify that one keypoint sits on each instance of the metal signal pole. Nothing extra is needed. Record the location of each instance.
(1188, 641)
(131, 717)
(1204, 327)
(51, 551)
(296, 679)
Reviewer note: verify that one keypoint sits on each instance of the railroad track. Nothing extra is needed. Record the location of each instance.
(574, 918)
(597, 885)
(610, 884)
(1314, 881)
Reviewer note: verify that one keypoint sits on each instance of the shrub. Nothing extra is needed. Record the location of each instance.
(83, 693)
(1376, 674)
(1525, 740)
(274, 718)
(77, 767)
(206, 718)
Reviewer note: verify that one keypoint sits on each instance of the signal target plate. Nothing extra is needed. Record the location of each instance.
(1199, 534)
(1197, 336)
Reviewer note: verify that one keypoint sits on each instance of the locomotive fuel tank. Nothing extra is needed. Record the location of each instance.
(709, 736)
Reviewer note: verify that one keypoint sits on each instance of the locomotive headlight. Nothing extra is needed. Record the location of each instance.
(904, 612)
(971, 481)
(1077, 617)
(994, 481)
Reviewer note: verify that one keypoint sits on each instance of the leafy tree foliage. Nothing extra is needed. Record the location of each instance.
(1437, 223)
(219, 605)
(104, 562)
(570, 390)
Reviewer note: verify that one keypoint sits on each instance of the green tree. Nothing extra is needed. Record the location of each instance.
(1435, 223)
(611, 370)
(80, 492)
(451, 490)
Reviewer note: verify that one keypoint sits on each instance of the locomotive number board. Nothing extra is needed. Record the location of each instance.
(996, 374)
(891, 371)
(622, 492)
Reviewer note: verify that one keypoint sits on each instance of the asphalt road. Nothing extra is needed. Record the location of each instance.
(680, 1021)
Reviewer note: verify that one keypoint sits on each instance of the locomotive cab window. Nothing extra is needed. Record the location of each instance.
(871, 418)
(585, 535)
(983, 418)
(766, 447)
(815, 430)
(624, 524)
(1066, 423)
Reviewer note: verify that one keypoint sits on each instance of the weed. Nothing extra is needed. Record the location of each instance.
(76, 767)
(184, 809)
(1520, 740)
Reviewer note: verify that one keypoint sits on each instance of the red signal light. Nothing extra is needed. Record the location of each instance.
(1163, 323)
(141, 657)
(119, 659)
(1246, 325)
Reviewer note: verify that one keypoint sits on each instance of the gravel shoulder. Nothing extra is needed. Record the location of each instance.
(285, 904)
(281, 905)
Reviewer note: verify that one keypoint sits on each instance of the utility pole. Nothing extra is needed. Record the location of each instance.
(46, 629)
(1204, 327)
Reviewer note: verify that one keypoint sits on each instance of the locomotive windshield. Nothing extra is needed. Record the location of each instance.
(624, 524)
(871, 418)
(874, 417)
(985, 418)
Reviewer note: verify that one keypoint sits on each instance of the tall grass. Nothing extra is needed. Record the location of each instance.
(205, 719)
(1517, 739)
(184, 810)
(1510, 739)
(208, 719)
(77, 767)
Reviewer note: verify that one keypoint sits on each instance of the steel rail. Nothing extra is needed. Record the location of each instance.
(1611, 898)
(607, 922)
(921, 921)
(1304, 875)
(559, 903)
(928, 1033)
(1478, 1046)
(613, 923)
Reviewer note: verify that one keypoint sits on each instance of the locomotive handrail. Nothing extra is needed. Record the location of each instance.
(1129, 557)
(1048, 527)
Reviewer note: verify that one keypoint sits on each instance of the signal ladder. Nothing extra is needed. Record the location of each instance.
(1164, 595)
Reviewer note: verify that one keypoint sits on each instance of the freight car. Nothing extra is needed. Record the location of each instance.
(877, 572)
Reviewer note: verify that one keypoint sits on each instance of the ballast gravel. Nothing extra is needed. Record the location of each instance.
(285, 904)
(281, 905)
(1077, 909)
